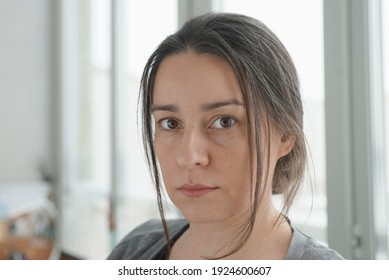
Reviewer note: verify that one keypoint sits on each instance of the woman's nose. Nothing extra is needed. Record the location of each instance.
(193, 150)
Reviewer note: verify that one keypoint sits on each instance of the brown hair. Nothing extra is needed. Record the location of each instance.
(270, 89)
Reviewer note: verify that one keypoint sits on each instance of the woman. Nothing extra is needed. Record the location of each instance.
(223, 122)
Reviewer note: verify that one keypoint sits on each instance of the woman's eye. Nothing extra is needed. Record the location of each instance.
(169, 124)
(223, 122)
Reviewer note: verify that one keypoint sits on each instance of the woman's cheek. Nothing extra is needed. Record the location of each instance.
(166, 138)
(227, 137)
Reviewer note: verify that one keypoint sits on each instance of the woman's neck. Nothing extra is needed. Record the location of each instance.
(270, 239)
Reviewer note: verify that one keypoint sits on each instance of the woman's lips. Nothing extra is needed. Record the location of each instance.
(195, 190)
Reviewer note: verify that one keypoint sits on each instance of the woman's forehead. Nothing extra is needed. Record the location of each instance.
(196, 79)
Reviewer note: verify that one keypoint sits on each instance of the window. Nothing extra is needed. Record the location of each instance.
(85, 128)
(146, 28)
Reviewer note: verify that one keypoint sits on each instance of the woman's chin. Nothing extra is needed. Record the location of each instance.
(201, 217)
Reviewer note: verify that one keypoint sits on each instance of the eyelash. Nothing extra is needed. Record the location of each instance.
(161, 122)
(233, 121)
(164, 123)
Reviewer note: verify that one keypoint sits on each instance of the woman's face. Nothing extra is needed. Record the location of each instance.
(201, 137)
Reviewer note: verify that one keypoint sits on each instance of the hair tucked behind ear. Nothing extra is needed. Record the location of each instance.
(270, 89)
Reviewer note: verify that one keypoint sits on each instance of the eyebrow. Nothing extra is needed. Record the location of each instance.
(168, 107)
(205, 107)
(216, 105)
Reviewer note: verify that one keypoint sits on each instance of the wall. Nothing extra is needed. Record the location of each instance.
(25, 89)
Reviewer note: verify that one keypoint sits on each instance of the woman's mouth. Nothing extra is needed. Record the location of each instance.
(195, 190)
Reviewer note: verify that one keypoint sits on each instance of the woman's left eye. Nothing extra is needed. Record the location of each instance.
(224, 122)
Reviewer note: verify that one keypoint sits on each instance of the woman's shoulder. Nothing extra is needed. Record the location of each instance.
(304, 247)
(145, 241)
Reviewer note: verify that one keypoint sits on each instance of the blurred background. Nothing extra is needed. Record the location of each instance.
(73, 180)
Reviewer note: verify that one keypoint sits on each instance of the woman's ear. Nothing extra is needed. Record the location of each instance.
(286, 144)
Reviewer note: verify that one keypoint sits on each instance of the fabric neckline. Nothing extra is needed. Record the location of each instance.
(295, 251)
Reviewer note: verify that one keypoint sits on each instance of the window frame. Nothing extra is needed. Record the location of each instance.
(357, 214)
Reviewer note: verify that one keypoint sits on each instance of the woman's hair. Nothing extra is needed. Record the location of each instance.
(270, 91)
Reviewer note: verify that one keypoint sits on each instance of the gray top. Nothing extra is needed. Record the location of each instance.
(147, 242)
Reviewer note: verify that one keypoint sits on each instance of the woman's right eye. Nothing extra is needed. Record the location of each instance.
(169, 124)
